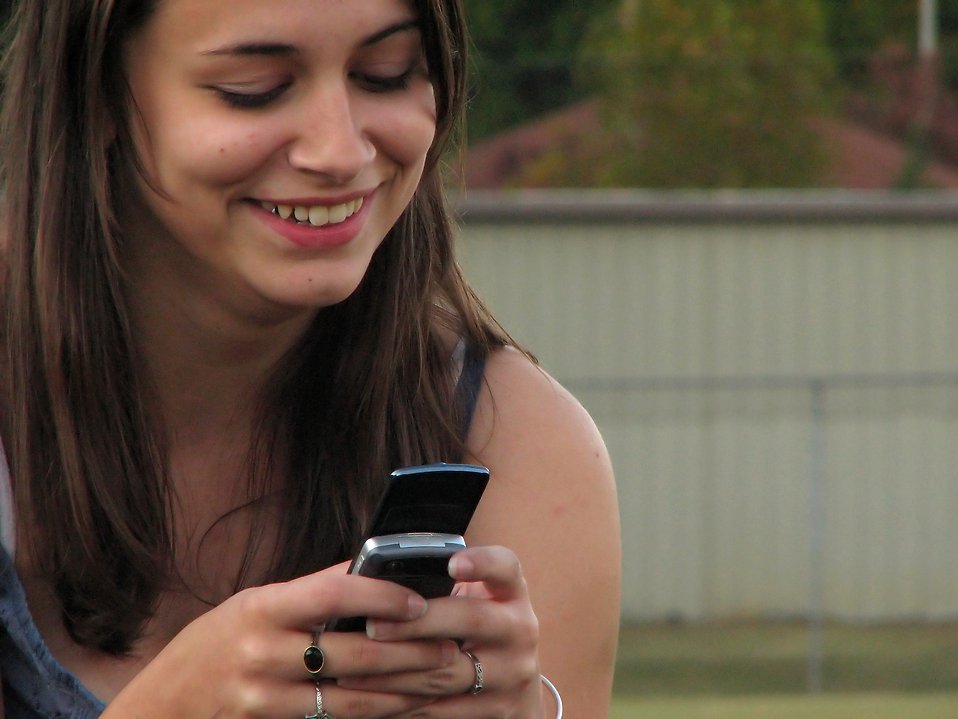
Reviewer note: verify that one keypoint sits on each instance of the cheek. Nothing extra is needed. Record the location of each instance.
(406, 131)
(188, 153)
(230, 158)
(408, 141)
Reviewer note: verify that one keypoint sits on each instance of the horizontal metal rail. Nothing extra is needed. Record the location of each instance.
(590, 206)
(759, 382)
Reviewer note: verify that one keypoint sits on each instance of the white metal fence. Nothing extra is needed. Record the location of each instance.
(776, 377)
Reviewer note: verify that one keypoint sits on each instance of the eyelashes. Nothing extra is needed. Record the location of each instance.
(250, 100)
(381, 83)
(378, 84)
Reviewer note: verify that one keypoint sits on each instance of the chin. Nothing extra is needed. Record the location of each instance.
(311, 297)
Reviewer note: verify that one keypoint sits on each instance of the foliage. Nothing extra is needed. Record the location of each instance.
(889, 88)
(710, 94)
(856, 29)
(523, 54)
(948, 24)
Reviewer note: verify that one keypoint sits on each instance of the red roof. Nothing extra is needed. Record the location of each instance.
(861, 158)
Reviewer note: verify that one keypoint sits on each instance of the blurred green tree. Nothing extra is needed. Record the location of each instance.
(948, 42)
(888, 86)
(857, 29)
(706, 94)
(523, 54)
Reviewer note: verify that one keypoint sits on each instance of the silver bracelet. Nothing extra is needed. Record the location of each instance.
(555, 694)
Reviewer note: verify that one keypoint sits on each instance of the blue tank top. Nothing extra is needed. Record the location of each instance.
(35, 684)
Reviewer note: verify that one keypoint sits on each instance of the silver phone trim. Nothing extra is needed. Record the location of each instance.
(407, 540)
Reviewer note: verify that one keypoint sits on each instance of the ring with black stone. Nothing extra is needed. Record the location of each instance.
(313, 657)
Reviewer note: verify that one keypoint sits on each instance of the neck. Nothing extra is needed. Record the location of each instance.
(208, 357)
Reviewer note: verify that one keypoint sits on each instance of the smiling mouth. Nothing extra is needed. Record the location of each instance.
(315, 215)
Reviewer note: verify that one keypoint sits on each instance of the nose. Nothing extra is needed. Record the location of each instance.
(331, 138)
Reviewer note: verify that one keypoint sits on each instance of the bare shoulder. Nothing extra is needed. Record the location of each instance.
(552, 500)
(524, 414)
(545, 453)
(535, 432)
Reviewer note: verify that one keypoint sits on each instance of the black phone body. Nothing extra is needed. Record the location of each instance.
(417, 526)
(437, 498)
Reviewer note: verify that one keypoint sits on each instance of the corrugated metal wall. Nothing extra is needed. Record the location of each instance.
(779, 392)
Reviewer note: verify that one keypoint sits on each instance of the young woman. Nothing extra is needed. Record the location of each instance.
(230, 309)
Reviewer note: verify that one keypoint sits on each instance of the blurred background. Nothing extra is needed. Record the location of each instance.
(730, 228)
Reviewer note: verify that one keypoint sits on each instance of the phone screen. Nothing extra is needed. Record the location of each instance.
(429, 498)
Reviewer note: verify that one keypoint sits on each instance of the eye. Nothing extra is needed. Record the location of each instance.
(250, 100)
(384, 83)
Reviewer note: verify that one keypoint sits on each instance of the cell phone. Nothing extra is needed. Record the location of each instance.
(417, 526)
(417, 560)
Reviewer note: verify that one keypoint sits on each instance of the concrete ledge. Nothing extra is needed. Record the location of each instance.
(590, 206)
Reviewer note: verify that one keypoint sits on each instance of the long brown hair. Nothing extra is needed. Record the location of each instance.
(87, 455)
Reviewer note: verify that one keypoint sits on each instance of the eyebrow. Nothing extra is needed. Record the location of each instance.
(269, 49)
(404, 26)
(274, 49)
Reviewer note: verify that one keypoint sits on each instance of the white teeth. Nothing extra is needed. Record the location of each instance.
(317, 215)
(338, 213)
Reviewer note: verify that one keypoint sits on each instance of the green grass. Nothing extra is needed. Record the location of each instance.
(827, 706)
(758, 670)
(751, 658)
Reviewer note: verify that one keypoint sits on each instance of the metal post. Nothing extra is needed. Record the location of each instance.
(926, 97)
(927, 29)
(816, 541)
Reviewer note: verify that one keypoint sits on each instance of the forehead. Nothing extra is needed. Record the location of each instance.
(200, 25)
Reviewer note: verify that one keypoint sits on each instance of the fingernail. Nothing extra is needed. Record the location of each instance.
(417, 606)
(460, 567)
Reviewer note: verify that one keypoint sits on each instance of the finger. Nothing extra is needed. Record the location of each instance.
(497, 567)
(461, 618)
(465, 705)
(315, 599)
(290, 699)
(351, 654)
(471, 621)
(347, 703)
(459, 677)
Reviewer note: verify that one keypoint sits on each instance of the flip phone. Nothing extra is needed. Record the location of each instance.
(418, 525)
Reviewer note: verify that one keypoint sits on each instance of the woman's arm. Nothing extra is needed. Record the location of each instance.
(552, 500)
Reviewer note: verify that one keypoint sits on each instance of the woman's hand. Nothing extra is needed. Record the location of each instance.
(244, 658)
(490, 614)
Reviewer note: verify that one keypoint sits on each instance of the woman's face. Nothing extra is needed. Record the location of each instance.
(280, 141)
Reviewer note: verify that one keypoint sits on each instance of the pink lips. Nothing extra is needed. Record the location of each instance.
(303, 234)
